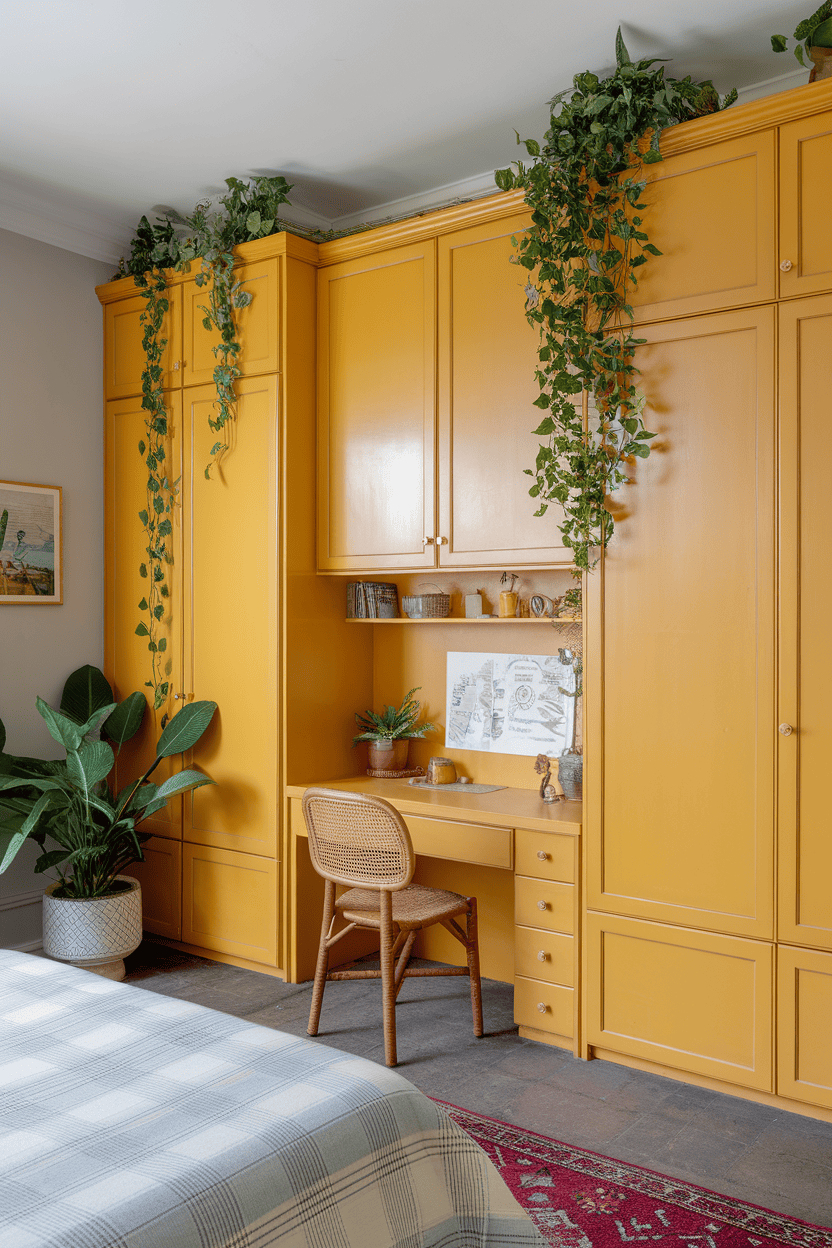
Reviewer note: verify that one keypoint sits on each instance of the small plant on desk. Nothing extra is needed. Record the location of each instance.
(390, 732)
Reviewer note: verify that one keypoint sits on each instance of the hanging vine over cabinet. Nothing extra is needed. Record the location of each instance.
(248, 211)
(586, 242)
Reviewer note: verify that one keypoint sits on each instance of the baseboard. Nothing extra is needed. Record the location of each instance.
(30, 946)
(17, 900)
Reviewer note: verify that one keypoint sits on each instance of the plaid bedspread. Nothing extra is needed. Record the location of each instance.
(133, 1120)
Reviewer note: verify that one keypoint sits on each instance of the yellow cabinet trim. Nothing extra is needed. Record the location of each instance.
(804, 1030)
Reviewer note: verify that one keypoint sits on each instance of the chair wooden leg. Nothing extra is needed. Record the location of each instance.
(388, 976)
(473, 950)
(323, 960)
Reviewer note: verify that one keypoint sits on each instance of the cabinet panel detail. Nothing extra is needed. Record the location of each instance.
(123, 354)
(540, 903)
(556, 966)
(230, 903)
(463, 842)
(377, 411)
(805, 846)
(690, 1000)
(257, 326)
(804, 1035)
(160, 876)
(711, 213)
(701, 612)
(557, 1014)
(543, 855)
(805, 191)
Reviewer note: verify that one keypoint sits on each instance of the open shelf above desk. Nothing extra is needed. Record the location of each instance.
(456, 619)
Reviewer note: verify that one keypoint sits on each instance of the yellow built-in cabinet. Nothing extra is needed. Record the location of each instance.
(425, 401)
(708, 674)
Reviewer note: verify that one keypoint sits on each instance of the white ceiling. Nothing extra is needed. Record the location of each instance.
(371, 108)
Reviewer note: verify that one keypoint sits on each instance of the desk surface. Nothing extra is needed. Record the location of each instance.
(512, 808)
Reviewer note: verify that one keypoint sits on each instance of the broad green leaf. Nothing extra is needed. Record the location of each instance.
(2, 735)
(12, 848)
(86, 690)
(182, 782)
(61, 728)
(125, 720)
(92, 763)
(185, 729)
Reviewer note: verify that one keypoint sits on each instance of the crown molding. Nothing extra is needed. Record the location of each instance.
(35, 214)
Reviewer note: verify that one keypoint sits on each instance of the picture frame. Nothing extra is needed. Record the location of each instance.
(31, 544)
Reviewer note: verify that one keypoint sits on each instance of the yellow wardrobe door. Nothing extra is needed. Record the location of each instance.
(805, 843)
(257, 325)
(160, 876)
(691, 1000)
(123, 354)
(681, 705)
(805, 190)
(376, 413)
(231, 617)
(229, 903)
(487, 388)
(127, 660)
(804, 1046)
(711, 213)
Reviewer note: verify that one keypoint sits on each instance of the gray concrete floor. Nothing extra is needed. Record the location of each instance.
(780, 1160)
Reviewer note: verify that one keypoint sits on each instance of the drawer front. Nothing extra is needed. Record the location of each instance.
(541, 903)
(461, 842)
(557, 963)
(230, 902)
(549, 1007)
(544, 855)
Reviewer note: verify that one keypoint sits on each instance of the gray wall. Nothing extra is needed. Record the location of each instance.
(50, 433)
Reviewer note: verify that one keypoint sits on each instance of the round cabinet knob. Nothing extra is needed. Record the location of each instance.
(176, 366)
(427, 541)
(542, 955)
(541, 1007)
(542, 855)
(541, 905)
(786, 730)
(785, 265)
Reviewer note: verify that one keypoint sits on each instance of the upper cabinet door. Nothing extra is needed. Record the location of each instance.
(711, 213)
(805, 910)
(257, 326)
(123, 355)
(487, 388)
(680, 708)
(805, 194)
(376, 413)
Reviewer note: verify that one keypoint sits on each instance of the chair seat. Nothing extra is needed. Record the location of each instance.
(413, 907)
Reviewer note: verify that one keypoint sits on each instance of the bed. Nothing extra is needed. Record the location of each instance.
(134, 1120)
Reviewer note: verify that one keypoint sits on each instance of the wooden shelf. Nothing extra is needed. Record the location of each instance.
(455, 619)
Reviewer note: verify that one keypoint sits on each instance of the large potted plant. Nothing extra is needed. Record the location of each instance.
(91, 913)
(390, 733)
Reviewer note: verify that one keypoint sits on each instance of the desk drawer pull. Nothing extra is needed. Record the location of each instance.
(542, 905)
(542, 1007)
(542, 955)
(543, 856)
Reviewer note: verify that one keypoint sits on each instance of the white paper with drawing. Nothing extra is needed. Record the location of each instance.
(509, 703)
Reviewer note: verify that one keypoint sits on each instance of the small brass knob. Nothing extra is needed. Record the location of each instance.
(541, 1006)
(785, 265)
(427, 541)
(541, 905)
(542, 855)
(786, 730)
(542, 955)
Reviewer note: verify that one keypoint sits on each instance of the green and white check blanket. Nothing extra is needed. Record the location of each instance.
(134, 1120)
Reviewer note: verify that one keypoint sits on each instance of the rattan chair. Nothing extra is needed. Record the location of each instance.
(363, 842)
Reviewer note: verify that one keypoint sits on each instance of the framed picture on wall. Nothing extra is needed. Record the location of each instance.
(30, 544)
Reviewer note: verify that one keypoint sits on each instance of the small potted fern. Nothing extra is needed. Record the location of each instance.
(389, 734)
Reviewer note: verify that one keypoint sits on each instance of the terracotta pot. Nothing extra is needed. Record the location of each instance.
(388, 755)
(95, 933)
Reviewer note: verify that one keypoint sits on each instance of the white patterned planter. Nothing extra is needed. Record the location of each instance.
(96, 933)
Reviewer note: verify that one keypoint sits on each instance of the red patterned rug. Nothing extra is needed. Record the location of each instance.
(579, 1199)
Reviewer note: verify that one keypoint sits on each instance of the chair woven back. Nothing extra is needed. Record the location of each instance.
(358, 840)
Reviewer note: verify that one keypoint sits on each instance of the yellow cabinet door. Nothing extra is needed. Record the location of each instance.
(376, 413)
(231, 653)
(127, 661)
(160, 876)
(679, 792)
(229, 903)
(804, 1025)
(805, 844)
(711, 213)
(691, 1000)
(487, 388)
(123, 354)
(805, 191)
(257, 325)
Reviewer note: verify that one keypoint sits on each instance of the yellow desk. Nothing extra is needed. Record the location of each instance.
(518, 855)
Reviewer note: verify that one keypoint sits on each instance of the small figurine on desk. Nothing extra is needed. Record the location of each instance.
(543, 767)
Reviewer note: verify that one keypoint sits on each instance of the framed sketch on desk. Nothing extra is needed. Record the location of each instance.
(509, 703)
(30, 544)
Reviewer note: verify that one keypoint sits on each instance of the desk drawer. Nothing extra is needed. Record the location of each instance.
(548, 1007)
(545, 855)
(540, 903)
(461, 842)
(557, 966)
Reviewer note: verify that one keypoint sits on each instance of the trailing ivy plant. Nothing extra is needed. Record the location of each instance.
(248, 211)
(584, 248)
